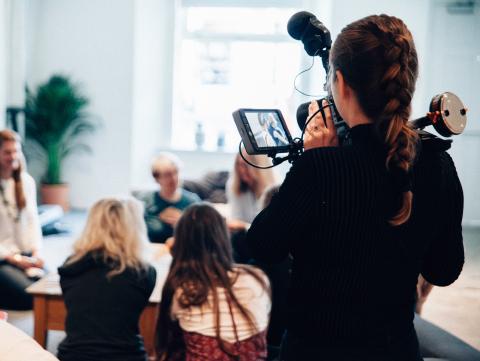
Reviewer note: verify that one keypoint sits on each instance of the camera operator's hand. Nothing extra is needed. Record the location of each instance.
(320, 133)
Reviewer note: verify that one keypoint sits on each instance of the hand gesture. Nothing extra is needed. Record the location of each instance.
(169, 243)
(236, 225)
(170, 215)
(320, 133)
(24, 262)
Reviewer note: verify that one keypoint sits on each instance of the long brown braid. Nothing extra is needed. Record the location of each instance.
(378, 60)
(7, 135)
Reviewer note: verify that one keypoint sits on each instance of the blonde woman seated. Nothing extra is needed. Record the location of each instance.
(211, 309)
(245, 187)
(106, 285)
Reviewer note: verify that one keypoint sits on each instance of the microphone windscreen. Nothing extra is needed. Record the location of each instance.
(297, 24)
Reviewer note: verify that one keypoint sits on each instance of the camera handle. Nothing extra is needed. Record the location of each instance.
(295, 151)
(296, 148)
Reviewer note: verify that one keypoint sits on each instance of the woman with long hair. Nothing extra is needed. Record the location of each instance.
(20, 233)
(349, 216)
(211, 309)
(106, 284)
(246, 185)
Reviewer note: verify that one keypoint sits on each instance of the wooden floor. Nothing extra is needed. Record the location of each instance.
(455, 308)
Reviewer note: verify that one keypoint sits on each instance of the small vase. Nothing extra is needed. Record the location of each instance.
(199, 136)
(221, 141)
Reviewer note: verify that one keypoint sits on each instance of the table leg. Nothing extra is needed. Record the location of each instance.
(40, 320)
(147, 325)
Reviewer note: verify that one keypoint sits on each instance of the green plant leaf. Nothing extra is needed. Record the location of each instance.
(76, 148)
(56, 121)
(34, 150)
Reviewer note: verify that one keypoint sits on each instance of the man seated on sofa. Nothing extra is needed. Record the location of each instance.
(163, 208)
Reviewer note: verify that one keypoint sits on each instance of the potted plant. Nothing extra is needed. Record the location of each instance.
(55, 120)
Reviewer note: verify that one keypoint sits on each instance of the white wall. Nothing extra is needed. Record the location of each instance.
(3, 67)
(93, 42)
(453, 58)
(152, 84)
(414, 13)
(12, 56)
(16, 59)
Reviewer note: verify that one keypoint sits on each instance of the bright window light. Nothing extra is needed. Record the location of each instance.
(229, 58)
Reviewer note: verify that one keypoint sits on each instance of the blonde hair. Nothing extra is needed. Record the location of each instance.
(263, 177)
(116, 231)
(166, 158)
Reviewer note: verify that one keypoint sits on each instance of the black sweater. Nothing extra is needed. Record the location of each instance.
(103, 314)
(353, 275)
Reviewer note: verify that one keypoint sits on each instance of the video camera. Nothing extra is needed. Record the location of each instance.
(264, 131)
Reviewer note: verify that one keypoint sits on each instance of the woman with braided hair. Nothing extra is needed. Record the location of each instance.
(357, 218)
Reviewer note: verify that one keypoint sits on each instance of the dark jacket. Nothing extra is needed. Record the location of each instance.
(353, 275)
(103, 313)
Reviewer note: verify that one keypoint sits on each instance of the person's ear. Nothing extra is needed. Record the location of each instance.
(342, 87)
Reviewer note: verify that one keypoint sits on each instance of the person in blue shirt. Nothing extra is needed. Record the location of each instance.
(163, 208)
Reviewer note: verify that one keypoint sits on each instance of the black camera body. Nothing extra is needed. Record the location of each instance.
(340, 124)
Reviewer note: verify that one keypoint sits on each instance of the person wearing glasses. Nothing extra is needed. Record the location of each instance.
(163, 208)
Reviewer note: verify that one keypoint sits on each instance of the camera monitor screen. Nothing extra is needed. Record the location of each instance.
(263, 130)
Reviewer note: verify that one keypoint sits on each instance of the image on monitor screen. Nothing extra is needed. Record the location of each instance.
(267, 129)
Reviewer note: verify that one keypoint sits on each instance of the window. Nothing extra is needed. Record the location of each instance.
(228, 58)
